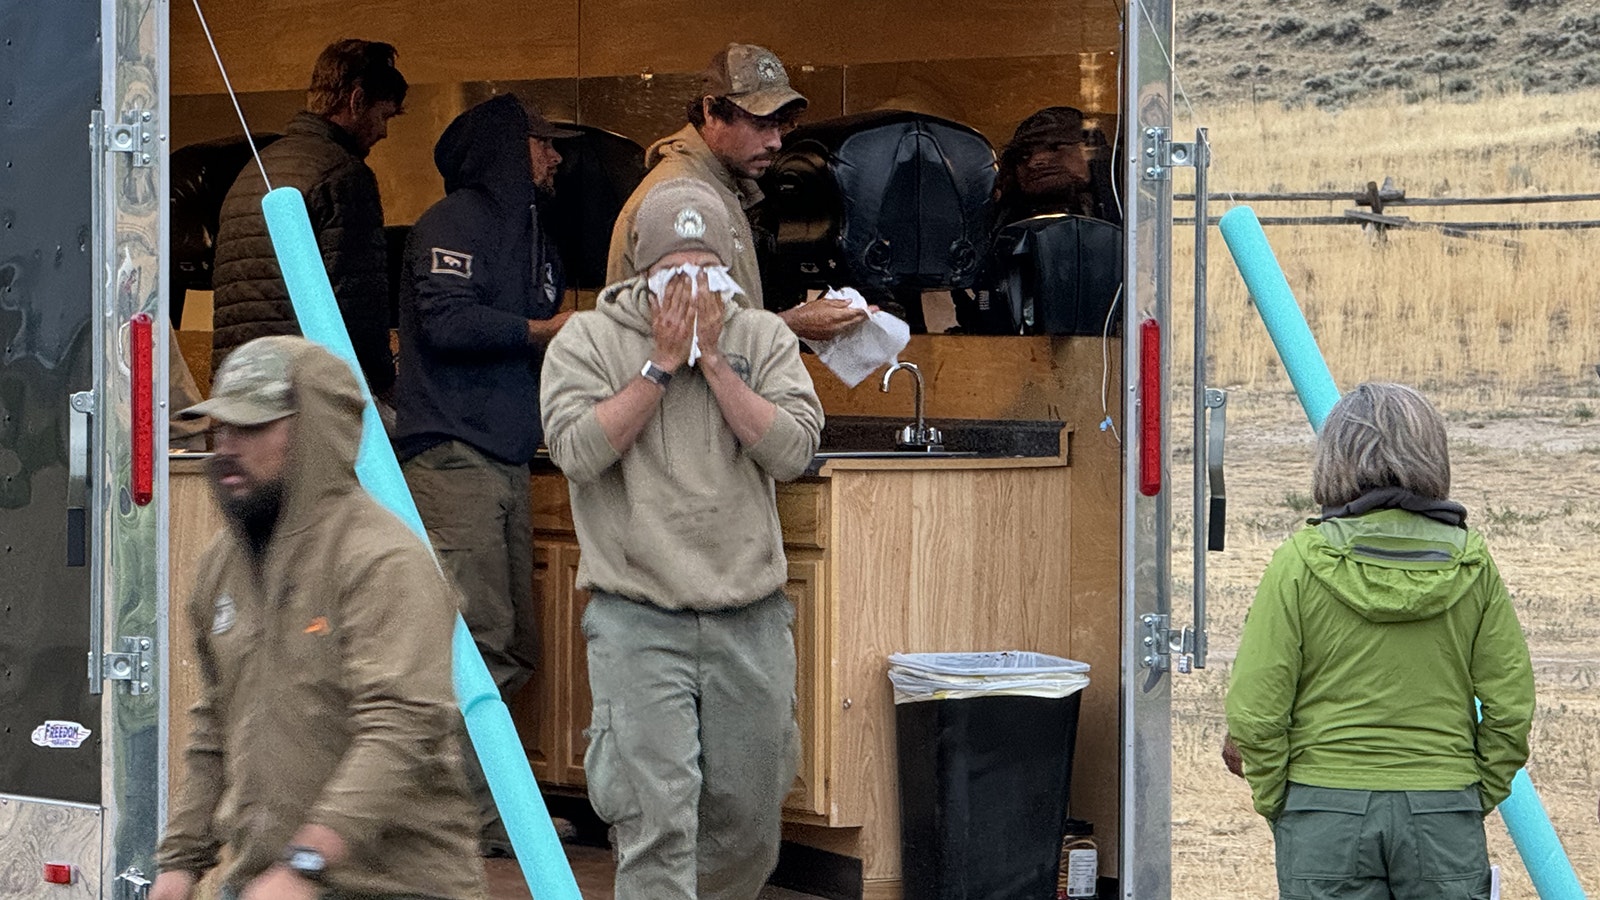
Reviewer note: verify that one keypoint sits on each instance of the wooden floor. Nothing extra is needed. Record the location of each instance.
(592, 866)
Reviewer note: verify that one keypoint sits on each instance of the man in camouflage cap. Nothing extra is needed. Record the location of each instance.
(737, 121)
(322, 748)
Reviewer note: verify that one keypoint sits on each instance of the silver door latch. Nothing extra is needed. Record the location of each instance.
(132, 885)
(1160, 154)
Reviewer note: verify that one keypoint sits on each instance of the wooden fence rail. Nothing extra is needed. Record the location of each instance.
(1374, 199)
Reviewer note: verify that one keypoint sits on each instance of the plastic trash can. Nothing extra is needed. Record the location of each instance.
(985, 744)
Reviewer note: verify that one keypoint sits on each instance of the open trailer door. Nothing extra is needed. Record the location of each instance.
(82, 457)
(1148, 633)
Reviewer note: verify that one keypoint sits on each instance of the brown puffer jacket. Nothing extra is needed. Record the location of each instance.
(325, 687)
(326, 165)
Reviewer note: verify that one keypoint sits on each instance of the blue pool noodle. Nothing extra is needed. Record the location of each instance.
(1296, 347)
(1525, 817)
(494, 737)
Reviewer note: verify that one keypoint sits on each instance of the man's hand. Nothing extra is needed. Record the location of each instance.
(542, 331)
(708, 321)
(174, 885)
(821, 320)
(1231, 757)
(279, 883)
(672, 325)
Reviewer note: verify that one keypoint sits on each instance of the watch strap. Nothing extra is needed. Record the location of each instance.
(655, 374)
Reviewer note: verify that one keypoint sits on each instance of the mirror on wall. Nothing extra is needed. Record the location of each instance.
(953, 165)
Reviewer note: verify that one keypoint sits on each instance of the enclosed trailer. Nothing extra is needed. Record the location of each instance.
(1068, 554)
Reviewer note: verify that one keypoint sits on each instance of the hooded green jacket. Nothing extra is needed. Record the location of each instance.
(1367, 642)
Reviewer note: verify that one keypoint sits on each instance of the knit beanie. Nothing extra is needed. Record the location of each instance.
(681, 214)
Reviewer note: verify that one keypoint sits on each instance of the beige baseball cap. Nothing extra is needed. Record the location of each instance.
(253, 386)
(752, 77)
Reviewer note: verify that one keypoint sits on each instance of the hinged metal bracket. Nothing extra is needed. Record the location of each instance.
(135, 135)
(1161, 642)
(132, 885)
(1160, 154)
(132, 665)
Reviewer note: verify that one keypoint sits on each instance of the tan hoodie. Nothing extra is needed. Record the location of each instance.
(325, 682)
(686, 518)
(685, 155)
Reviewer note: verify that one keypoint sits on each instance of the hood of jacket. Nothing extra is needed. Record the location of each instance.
(486, 148)
(1393, 565)
(327, 434)
(628, 303)
(687, 143)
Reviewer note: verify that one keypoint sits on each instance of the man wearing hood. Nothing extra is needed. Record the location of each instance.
(671, 459)
(736, 127)
(323, 747)
(1374, 629)
(355, 91)
(480, 299)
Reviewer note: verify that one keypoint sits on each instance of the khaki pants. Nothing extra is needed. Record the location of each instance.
(477, 513)
(1381, 845)
(692, 743)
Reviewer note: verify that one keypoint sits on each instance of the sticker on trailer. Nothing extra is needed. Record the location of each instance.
(59, 735)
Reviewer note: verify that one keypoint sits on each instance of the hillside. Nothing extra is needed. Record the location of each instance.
(1330, 52)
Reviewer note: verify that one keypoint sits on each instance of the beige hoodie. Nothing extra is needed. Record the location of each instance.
(686, 518)
(325, 681)
(685, 155)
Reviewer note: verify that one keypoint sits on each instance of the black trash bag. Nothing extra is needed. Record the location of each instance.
(890, 202)
(201, 175)
(598, 172)
(1050, 274)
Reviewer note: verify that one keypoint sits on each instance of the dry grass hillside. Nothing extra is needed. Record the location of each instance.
(1505, 340)
(1334, 52)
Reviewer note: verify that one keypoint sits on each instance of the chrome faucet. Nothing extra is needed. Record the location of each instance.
(918, 436)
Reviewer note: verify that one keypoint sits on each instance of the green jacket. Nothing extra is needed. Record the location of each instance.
(1367, 642)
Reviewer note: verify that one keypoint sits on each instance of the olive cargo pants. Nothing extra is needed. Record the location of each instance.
(692, 743)
(1374, 845)
(478, 516)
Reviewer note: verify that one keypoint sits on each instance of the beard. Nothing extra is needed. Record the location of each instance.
(254, 511)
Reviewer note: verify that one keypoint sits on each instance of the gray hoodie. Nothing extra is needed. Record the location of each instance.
(686, 518)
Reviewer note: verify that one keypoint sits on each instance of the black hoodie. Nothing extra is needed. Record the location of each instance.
(477, 269)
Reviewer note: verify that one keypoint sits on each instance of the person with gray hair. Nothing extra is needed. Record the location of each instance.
(1373, 630)
(672, 410)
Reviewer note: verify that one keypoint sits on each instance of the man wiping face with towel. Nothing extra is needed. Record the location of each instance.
(693, 743)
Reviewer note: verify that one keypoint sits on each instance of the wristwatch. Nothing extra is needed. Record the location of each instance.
(307, 863)
(655, 374)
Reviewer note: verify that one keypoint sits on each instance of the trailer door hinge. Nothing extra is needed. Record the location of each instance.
(135, 135)
(1161, 641)
(1160, 154)
(132, 885)
(132, 665)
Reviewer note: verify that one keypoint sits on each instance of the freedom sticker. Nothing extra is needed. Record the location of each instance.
(59, 735)
(449, 262)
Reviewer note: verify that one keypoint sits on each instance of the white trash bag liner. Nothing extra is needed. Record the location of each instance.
(958, 676)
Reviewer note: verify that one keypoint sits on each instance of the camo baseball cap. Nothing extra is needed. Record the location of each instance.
(253, 386)
(752, 77)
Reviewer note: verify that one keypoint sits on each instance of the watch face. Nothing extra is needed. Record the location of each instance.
(306, 861)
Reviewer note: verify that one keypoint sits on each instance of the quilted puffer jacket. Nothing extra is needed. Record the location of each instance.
(326, 164)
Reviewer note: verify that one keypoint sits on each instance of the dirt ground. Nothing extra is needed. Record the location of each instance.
(1529, 474)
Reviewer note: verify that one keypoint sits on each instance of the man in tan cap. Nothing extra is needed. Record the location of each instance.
(736, 126)
(322, 748)
(671, 459)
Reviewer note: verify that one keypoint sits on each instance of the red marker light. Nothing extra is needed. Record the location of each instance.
(1149, 407)
(141, 363)
(58, 873)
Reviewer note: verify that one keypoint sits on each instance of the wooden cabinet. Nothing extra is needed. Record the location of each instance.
(553, 710)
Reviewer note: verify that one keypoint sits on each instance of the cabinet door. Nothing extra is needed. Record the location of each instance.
(807, 589)
(574, 664)
(536, 709)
